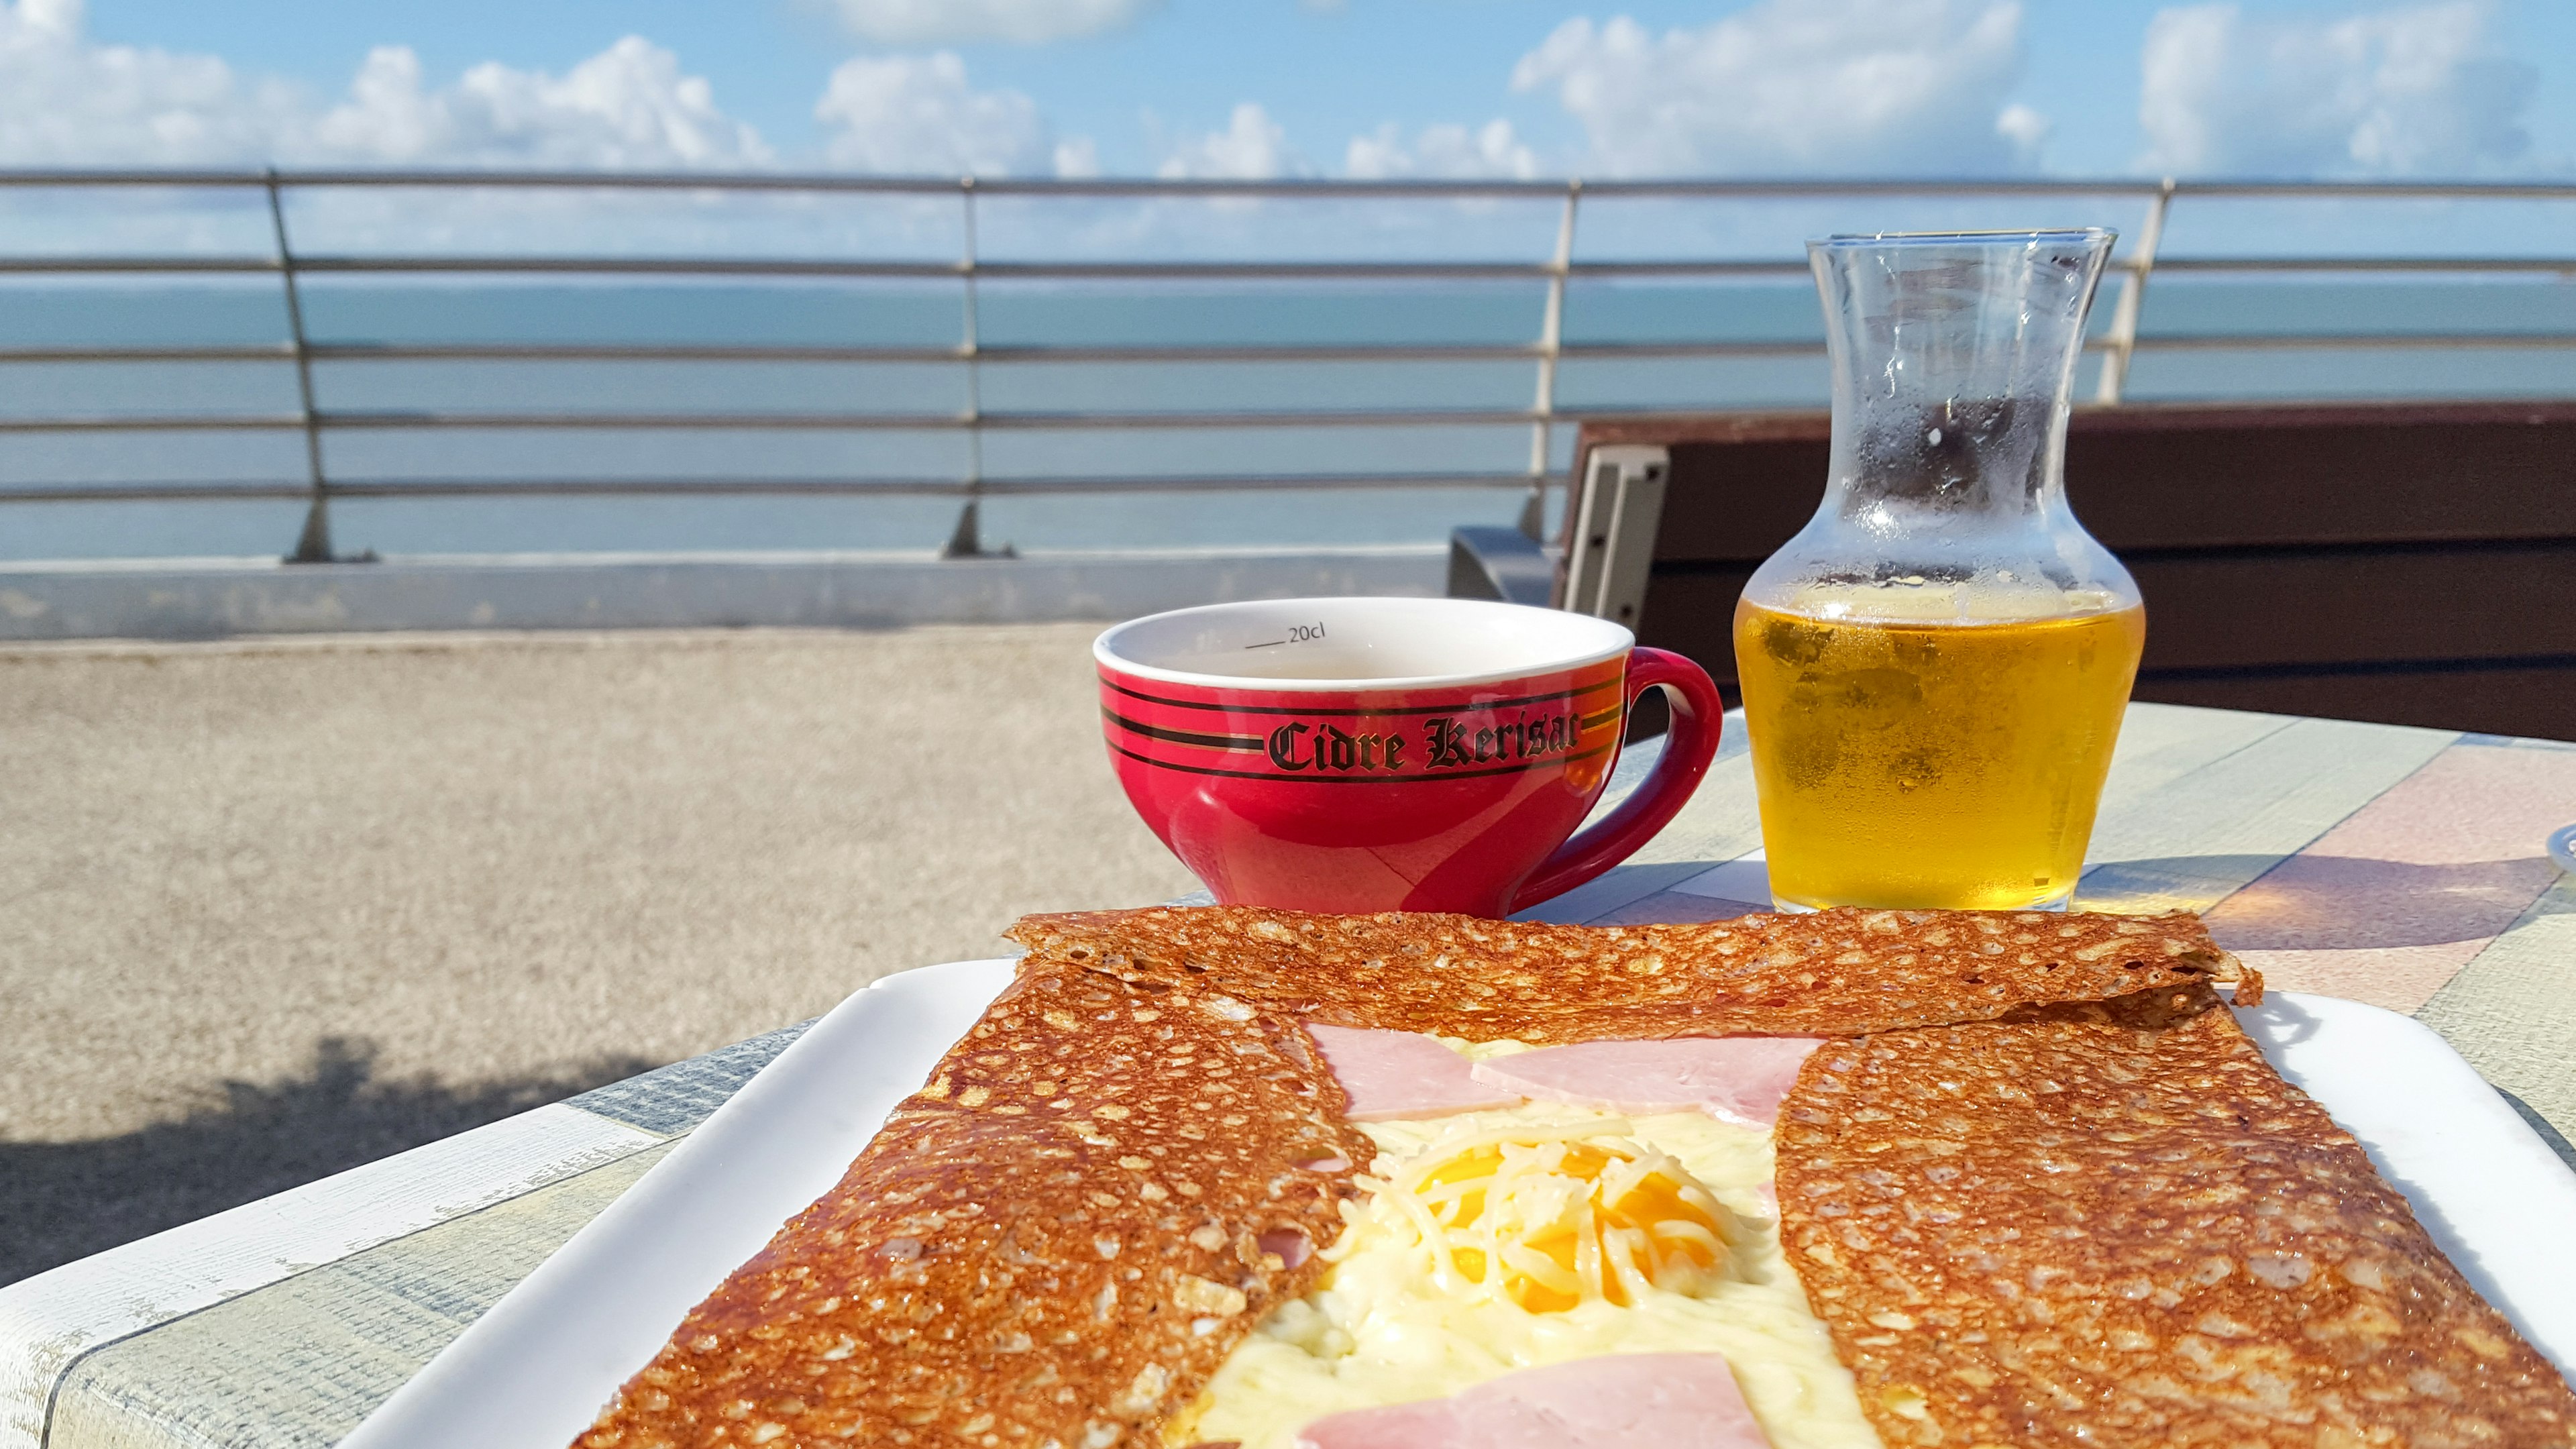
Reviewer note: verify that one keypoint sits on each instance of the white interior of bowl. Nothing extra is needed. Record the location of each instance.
(1342, 643)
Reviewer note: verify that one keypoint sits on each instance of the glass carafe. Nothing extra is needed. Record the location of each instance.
(1934, 669)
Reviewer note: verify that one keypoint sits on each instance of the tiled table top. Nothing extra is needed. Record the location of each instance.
(2402, 867)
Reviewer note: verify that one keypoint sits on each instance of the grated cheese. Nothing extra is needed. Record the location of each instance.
(1552, 1218)
(1407, 1313)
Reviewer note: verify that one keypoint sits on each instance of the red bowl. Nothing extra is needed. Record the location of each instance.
(1361, 754)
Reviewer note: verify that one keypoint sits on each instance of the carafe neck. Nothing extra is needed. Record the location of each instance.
(1953, 370)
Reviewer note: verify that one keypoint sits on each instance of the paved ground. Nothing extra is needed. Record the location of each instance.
(271, 909)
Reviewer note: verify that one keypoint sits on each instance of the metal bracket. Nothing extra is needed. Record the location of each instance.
(966, 540)
(1612, 550)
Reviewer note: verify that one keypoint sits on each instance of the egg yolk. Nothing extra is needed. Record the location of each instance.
(1563, 1222)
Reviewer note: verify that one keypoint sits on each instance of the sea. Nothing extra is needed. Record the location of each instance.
(2515, 313)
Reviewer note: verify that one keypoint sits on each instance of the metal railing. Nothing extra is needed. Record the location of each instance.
(2117, 344)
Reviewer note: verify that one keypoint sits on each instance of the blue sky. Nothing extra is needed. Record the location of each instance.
(2435, 87)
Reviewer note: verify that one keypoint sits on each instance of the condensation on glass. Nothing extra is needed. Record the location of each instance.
(1934, 669)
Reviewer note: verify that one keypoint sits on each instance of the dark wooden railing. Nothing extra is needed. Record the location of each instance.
(2410, 563)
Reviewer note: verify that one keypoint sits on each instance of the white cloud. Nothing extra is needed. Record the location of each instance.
(2025, 129)
(1077, 158)
(628, 107)
(1441, 151)
(66, 100)
(1026, 22)
(1252, 147)
(917, 114)
(1814, 86)
(2414, 90)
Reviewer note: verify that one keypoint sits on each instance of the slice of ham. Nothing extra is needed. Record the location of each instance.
(1623, 1401)
(1733, 1078)
(1391, 1074)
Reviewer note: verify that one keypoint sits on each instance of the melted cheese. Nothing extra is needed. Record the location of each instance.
(1391, 1323)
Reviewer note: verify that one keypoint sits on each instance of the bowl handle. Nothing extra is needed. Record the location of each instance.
(1698, 717)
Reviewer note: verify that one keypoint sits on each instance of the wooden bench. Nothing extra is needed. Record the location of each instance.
(2402, 563)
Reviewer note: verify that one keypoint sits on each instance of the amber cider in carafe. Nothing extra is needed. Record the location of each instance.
(1931, 763)
(1935, 668)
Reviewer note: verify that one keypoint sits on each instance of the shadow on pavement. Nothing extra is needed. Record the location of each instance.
(65, 1200)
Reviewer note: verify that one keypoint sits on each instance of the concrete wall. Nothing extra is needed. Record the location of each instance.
(201, 599)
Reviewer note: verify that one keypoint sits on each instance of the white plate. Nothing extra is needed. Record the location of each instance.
(536, 1369)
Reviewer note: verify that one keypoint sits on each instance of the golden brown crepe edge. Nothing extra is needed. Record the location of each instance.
(776, 1350)
(2101, 1217)
(1358, 970)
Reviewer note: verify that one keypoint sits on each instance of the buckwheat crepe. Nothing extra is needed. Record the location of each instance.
(2038, 1186)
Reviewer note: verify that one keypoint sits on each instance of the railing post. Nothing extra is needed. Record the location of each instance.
(2133, 297)
(967, 539)
(313, 544)
(1551, 342)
